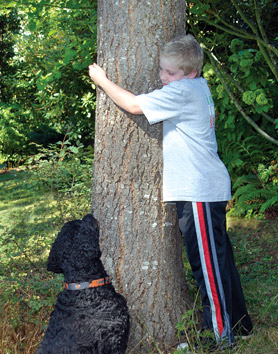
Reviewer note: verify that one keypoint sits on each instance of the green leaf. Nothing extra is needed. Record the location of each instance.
(33, 25)
(69, 54)
(249, 97)
(53, 31)
(234, 68)
(74, 149)
(199, 8)
(57, 74)
(253, 85)
(259, 109)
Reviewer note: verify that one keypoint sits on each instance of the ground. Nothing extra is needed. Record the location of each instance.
(31, 216)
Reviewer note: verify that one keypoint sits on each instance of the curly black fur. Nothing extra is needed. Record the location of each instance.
(89, 321)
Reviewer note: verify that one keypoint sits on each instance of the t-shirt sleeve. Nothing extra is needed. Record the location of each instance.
(161, 104)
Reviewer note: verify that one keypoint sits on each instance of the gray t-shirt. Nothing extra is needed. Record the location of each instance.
(192, 169)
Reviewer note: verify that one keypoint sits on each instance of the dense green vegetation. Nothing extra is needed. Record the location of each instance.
(47, 129)
(240, 41)
(45, 90)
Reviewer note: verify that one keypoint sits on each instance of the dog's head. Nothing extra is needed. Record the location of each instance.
(76, 246)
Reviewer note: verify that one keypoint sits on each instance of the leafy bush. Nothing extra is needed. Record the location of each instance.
(44, 135)
(64, 170)
(240, 45)
(46, 83)
(13, 140)
(257, 193)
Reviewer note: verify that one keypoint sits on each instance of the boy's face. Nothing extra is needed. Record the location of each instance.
(169, 71)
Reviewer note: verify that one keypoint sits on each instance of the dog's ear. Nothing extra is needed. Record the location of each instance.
(62, 246)
(91, 222)
(53, 263)
(86, 242)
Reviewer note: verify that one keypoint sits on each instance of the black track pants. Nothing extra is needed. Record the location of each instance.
(209, 250)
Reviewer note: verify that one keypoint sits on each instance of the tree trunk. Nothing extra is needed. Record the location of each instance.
(141, 243)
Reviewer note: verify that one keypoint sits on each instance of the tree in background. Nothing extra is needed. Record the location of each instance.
(240, 41)
(11, 140)
(9, 25)
(47, 91)
(141, 243)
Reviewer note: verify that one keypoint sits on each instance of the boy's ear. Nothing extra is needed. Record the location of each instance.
(192, 75)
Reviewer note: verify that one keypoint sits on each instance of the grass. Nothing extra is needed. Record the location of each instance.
(255, 245)
(256, 253)
(26, 221)
(31, 217)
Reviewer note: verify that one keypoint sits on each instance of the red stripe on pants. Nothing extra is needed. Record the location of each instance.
(209, 266)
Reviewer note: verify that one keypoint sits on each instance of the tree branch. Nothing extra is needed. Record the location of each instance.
(240, 33)
(245, 19)
(238, 106)
(261, 42)
(268, 61)
(271, 60)
(234, 82)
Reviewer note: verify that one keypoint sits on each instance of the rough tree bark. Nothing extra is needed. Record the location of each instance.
(141, 243)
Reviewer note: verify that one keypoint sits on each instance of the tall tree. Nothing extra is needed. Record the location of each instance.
(142, 247)
(9, 25)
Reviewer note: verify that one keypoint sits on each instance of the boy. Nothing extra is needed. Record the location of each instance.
(194, 178)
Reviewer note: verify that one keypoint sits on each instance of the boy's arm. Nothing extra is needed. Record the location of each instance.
(121, 97)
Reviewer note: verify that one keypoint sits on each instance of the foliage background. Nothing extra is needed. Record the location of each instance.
(240, 40)
(45, 90)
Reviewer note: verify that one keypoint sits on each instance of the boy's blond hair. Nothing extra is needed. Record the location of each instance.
(186, 52)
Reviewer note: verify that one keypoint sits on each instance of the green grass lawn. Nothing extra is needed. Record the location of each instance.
(30, 217)
(256, 253)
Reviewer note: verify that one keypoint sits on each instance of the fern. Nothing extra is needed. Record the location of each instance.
(252, 196)
(242, 154)
(270, 203)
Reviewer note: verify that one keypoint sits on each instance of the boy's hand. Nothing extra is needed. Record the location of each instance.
(96, 73)
(121, 97)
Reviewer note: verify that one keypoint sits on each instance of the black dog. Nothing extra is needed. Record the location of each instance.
(89, 316)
